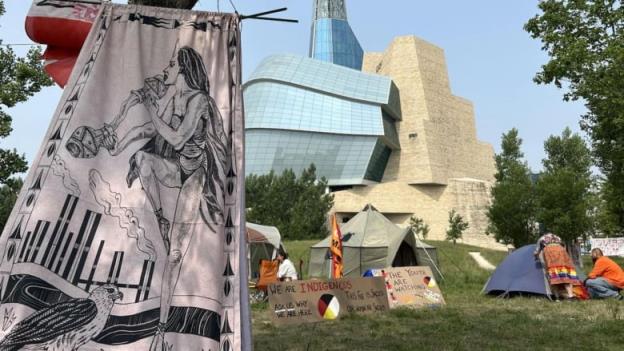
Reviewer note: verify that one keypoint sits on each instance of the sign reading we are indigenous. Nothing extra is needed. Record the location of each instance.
(305, 301)
(411, 286)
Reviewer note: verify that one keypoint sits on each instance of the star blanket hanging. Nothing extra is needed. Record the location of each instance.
(127, 233)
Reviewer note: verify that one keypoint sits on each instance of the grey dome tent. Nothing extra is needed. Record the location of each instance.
(370, 240)
(519, 273)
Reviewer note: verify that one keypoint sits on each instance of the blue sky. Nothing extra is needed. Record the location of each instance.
(491, 60)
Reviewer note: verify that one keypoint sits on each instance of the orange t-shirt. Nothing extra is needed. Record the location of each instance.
(609, 270)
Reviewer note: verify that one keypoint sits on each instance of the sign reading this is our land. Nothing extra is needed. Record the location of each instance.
(305, 301)
(411, 286)
(609, 246)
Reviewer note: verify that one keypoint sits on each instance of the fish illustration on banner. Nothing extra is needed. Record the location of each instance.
(126, 235)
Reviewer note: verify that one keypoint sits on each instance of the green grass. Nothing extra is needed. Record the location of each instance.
(469, 321)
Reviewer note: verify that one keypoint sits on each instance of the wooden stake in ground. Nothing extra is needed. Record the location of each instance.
(178, 4)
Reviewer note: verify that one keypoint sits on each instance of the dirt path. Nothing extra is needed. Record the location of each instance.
(481, 261)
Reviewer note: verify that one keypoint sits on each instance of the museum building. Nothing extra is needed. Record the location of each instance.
(383, 128)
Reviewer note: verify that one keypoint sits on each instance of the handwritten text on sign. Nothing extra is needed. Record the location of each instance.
(609, 246)
(316, 300)
(411, 286)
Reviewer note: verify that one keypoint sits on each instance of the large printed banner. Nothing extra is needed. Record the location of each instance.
(127, 234)
(609, 246)
(306, 301)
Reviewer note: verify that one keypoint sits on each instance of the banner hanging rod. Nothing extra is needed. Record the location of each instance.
(261, 16)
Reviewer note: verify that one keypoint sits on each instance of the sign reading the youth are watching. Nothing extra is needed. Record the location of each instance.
(307, 301)
(411, 286)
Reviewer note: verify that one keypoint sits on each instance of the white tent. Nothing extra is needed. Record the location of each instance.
(263, 242)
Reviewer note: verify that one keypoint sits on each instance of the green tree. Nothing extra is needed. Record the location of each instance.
(8, 196)
(270, 198)
(419, 227)
(585, 42)
(512, 212)
(298, 207)
(312, 205)
(457, 226)
(20, 78)
(606, 223)
(563, 190)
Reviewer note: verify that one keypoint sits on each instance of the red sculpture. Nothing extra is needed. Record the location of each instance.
(63, 26)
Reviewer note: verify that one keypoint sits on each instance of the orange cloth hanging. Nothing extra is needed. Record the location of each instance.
(268, 274)
(336, 249)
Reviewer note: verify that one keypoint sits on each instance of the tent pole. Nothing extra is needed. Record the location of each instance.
(249, 261)
(549, 292)
(430, 259)
(330, 265)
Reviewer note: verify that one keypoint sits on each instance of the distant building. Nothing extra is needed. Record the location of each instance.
(392, 135)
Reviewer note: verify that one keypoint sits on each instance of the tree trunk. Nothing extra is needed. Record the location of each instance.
(574, 250)
(178, 4)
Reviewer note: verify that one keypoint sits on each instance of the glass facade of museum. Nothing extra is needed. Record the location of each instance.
(301, 111)
(322, 109)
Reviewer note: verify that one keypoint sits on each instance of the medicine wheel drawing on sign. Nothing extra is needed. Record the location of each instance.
(328, 307)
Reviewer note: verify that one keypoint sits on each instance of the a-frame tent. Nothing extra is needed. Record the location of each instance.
(371, 241)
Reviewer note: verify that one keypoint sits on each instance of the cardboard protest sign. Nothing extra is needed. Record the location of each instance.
(306, 301)
(411, 286)
(609, 246)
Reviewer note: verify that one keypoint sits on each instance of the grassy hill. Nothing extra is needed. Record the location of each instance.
(470, 321)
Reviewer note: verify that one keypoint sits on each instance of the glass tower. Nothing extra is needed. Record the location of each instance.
(332, 38)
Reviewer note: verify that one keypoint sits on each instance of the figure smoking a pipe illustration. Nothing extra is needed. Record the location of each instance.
(186, 150)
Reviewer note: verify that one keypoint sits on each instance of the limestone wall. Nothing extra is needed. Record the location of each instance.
(441, 165)
(437, 134)
(399, 201)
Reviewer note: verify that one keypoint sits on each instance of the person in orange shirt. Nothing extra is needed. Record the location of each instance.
(606, 279)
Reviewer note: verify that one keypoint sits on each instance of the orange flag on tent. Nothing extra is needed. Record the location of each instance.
(336, 249)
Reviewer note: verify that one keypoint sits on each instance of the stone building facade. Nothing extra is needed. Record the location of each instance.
(441, 164)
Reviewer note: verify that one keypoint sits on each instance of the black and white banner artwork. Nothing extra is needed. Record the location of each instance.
(127, 233)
